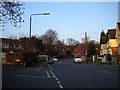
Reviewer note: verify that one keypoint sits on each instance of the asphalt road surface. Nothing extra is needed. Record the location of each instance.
(64, 74)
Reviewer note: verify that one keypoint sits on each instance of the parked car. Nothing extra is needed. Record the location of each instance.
(77, 59)
(51, 61)
(55, 59)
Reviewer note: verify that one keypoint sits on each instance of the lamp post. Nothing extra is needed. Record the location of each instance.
(31, 19)
(31, 22)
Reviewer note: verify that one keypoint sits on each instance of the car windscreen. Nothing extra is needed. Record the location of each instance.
(78, 57)
(50, 59)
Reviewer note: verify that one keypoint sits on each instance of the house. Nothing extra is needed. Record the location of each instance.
(79, 50)
(118, 40)
(109, 42)
(9, 48)
(103, 43)
(112, 42)
(11, 45)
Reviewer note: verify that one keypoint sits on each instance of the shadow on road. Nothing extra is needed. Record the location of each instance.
(34, 67)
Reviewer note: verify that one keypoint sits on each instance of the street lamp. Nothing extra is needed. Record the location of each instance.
(31, 22)
(31, 19)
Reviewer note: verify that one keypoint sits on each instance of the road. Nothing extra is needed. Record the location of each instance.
(64, 74)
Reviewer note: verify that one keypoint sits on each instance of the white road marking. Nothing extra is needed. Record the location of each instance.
(60, 86)
(58, 82)
(106, 72)
(30, 76)
(52, 73)
(54, 76)
(56, 79)
(50, 67)
(48, 75)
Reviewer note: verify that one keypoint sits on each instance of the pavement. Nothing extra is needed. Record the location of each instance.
(112, 65)
(36, 67)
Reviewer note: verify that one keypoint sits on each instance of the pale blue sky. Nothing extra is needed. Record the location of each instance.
(69, 19)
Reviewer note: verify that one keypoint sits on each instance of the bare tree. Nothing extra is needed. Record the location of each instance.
(60, 49)
(84, 40)
(72, 42)
(49, 38)
(11, 11)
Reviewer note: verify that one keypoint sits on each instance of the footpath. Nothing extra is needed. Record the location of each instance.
(105, 64)
(36, 67)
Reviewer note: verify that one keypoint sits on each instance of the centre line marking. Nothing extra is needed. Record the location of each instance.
(58, 82)
(52, 73)
(60, 86)
(54, 76)
(50, 67)
(48, 75)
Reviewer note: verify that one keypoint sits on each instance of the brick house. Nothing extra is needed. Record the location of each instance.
(11, 49)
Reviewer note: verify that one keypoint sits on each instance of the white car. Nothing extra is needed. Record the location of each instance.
(55, 59)
(77, 59)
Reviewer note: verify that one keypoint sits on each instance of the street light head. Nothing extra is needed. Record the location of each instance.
(45, 13)
(41, 14)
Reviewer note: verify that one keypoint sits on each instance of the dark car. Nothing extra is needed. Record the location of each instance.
(51, 60)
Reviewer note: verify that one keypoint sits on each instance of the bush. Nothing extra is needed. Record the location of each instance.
(29, 58)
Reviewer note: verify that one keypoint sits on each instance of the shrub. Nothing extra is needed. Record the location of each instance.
(29, 58)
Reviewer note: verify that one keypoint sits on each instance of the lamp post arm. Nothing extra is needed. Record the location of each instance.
(31, 19)
(41, 14)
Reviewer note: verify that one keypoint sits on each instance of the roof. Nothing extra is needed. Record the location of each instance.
(103, 39)
(118, 23)
(102, 33)
(111, 33)
(79, 50)
(10, 40)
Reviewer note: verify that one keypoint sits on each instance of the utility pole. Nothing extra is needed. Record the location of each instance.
(86, 41)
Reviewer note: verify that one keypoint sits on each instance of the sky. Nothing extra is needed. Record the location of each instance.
(68, 19)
